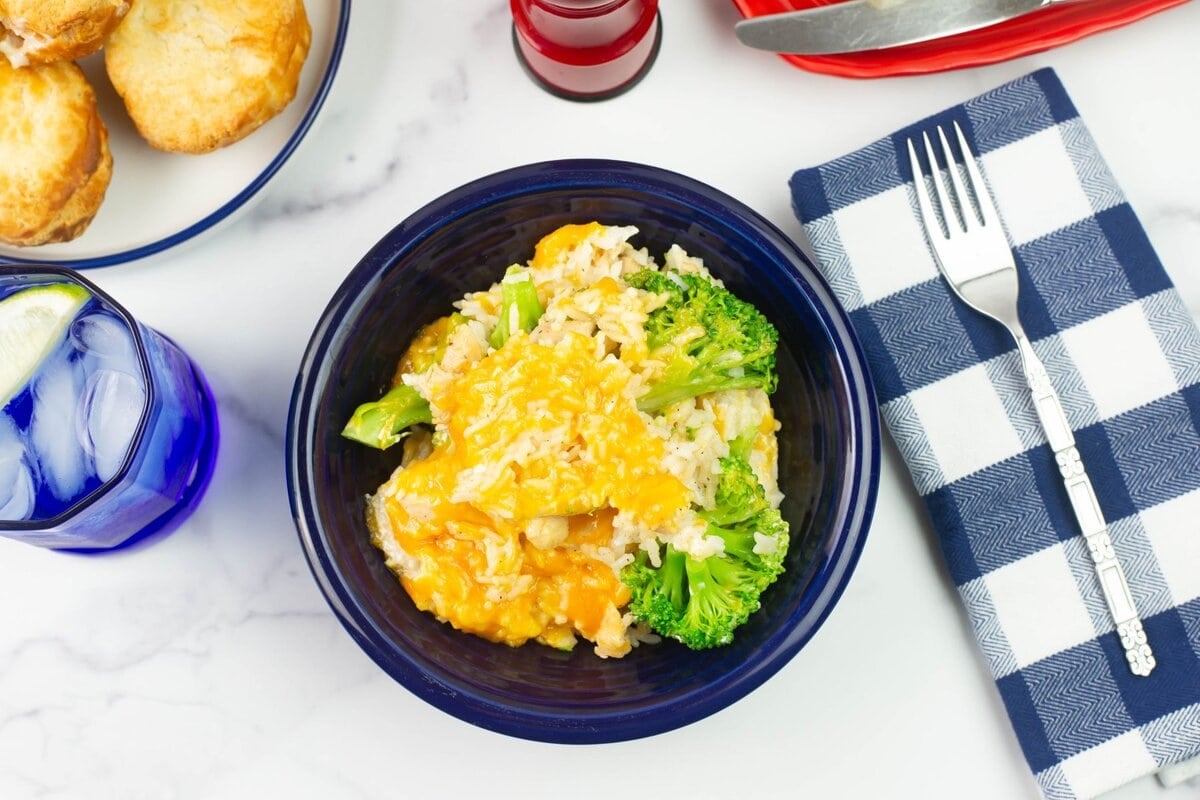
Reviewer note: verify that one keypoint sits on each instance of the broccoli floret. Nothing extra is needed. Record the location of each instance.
(739, 495)
(743, 443)
(701, 602)
(698, 602)
(716, 340)
(519, 306)
(766, 563)
(753, 532)
(382, 423)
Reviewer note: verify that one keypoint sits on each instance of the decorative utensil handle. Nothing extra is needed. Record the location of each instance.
(1108, 568)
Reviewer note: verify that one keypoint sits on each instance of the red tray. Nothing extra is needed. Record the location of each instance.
(1032, 33)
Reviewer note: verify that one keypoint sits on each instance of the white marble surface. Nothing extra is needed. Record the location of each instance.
(208, 665)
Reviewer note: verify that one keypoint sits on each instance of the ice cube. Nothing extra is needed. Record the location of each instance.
(108, 338)
(52, 428)
(18, 488)
(109, 413)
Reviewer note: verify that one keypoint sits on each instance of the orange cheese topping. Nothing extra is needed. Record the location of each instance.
(554, 244)
(533, 434)
(427, 348)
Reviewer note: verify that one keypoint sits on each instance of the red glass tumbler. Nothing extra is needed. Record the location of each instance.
(586, 49)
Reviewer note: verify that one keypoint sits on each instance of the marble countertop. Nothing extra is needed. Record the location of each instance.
(208, 665)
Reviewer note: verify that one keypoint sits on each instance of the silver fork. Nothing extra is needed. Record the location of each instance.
(973, 255)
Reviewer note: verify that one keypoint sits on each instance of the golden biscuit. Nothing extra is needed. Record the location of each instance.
(43, 31)
(54, 159)
(196, 75)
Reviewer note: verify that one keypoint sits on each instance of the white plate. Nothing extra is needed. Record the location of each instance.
(157, 200)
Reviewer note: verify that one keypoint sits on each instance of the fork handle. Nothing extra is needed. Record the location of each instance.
(1088, 514)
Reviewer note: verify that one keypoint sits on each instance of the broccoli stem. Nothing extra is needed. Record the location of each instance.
(743, 443)
(673, 577)
(667, 392)
(382, 423)
(519, 306)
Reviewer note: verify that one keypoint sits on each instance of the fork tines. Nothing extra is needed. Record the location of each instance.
(969, 209)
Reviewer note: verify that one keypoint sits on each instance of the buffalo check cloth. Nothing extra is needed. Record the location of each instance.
(1123, 352)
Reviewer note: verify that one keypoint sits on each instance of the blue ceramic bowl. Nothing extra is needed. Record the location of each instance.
(829, 450)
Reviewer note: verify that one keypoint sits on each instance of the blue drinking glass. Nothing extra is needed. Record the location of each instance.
(113, 436)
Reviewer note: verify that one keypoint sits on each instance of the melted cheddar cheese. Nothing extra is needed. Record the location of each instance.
(428, 347)
(506, 521)
(551, 247)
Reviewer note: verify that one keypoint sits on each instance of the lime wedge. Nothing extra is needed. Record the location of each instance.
(32, 323)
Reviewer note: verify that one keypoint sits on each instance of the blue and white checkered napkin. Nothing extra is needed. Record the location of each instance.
(1124, 354)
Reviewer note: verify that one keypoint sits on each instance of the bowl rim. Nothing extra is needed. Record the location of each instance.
(854, 506)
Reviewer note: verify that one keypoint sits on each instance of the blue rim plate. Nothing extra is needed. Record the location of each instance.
(159, 200)
(533, 692)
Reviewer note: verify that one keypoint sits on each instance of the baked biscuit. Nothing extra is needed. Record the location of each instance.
(43, 31)
(54, 159)
(196, 75)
